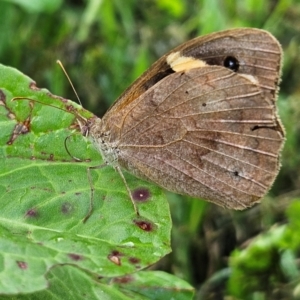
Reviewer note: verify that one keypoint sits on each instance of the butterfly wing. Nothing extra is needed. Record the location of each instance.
(206, 132)
(256, 52)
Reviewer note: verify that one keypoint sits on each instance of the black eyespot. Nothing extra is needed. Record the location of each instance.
(203, 104)
(231, 63)
(236, 173)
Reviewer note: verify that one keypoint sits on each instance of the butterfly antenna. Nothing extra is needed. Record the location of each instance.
(73, 88)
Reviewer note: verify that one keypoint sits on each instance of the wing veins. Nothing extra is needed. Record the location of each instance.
(217, 101)
(172, 166)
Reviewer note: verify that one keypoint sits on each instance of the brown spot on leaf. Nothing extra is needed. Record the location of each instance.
(20, 128)
(22, 265)
(32, 85)
(141, 194)
(2, 98)
(117, 253)
(123, 280)
(32, 213)
(67, 208)
(134, 260)
(75, 256)
(70, 108)
(115, 257)
(144, 225)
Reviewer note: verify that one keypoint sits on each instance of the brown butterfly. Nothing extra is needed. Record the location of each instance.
(202, 120)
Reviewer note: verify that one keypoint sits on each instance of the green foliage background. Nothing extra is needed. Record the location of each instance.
(105, 45)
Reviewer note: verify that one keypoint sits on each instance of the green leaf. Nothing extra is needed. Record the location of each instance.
(67, 282)
(45, 195)
(292, 238)
(154, 285)
(252, 268)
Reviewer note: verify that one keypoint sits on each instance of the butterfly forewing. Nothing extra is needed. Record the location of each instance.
(258, 54)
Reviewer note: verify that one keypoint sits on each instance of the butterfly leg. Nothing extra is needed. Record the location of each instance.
(128, 190)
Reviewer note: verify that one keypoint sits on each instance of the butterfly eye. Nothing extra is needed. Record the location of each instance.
(231, 63)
